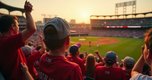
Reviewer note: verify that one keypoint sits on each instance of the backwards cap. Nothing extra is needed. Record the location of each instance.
(60, 25)
(129, 61)
(111, 55)
(73, 49)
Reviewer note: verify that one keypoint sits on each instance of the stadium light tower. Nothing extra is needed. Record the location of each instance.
(124, 5)
(134, 7)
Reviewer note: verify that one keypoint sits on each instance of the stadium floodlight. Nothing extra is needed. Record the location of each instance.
(124, 5)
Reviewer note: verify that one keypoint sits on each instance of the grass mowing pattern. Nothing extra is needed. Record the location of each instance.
(125, 46)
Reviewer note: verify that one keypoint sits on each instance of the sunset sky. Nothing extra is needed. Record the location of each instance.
(80, 10)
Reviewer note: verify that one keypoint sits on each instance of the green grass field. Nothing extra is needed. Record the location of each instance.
(124, 46)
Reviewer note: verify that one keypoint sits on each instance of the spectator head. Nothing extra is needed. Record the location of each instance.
(147, 51)
(128, 62)
(56, 34)
(90, 65)
(81, 56)
(9, 23)
(110, 58)
(27, 51)
(74, 50)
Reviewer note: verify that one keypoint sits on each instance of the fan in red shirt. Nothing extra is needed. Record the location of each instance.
(11, 41)
(108, 72)
(74, 57)
(128, 64)
(53, 65)
(33, 57)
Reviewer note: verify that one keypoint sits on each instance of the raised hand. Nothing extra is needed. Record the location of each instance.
(24, 67)
(28, 6)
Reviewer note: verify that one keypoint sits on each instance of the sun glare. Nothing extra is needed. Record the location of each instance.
(85, 16)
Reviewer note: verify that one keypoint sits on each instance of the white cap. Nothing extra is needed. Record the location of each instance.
(62, 27)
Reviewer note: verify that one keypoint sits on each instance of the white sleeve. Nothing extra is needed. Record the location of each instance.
(141, 77)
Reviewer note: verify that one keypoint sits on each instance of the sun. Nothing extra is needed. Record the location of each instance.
(85, 16)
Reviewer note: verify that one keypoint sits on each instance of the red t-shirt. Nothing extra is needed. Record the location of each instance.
(99, 64)
(79, 61)
(9, 57)
(31, 60)
(58, 68)
(105, 73)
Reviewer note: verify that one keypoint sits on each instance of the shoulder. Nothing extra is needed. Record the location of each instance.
(68, 57)
(100, 68)
(71, 64)
(43, 58)
(80, 59)
(118, 69)
(14, 41)
(44, 55)
(140, 76)
(17, 36)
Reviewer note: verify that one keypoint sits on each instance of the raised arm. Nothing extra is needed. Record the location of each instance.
(138, 67)
(26, 72)
(99, 56)
(30, 25)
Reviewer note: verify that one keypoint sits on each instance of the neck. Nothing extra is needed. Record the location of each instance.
(108, 66)
(57, 52)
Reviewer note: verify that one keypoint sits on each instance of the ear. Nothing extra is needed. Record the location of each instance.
(67, 42)
(149, 55)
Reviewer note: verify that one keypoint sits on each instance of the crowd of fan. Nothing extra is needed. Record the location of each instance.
(144, 22)
(131, 33)
(53, 59)
(89, 64)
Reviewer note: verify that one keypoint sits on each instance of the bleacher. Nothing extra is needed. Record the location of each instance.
(125, 23)
(120, 27)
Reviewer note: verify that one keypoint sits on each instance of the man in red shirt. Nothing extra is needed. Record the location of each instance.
(53, 65)
(74, 57)
(109, 72)
(11, 41)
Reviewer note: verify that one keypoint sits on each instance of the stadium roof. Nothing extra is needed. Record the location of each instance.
(10, 8)
(135, 14)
